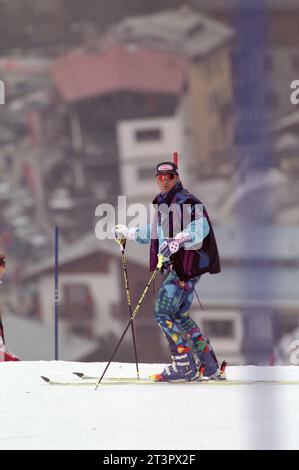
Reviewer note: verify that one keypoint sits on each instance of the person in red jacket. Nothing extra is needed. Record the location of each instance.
(4, 355)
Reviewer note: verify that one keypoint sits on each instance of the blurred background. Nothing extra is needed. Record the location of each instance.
(96, 94)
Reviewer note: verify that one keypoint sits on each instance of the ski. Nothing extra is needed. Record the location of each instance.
(83, 376)
(69, 383)
(92, 381)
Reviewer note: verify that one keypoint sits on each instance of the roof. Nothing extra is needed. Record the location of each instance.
(86, 246)
(234, 4)
(27, 65)
(112, 67)
(182, 30)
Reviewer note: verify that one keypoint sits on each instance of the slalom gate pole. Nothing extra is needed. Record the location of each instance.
(2, 351)
(134, 314)
(122, 245)
(56, 298)
(175, 158)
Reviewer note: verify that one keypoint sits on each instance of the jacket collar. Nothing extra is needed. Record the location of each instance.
(167, 198)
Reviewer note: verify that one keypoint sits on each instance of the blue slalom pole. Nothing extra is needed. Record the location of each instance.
(56, 302)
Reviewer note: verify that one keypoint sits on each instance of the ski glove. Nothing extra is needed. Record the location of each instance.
(171, 246)
(121, 232)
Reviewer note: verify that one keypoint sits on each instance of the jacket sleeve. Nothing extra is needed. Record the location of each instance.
(199, 229)
(195, 223)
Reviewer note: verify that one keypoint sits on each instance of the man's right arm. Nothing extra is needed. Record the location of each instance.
(140, 234)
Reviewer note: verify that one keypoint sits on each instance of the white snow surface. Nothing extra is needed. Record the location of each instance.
(34, 415)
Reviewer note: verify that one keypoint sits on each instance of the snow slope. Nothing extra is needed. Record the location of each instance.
(34, 415)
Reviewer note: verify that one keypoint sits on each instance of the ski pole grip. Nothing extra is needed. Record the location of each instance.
(161, 260)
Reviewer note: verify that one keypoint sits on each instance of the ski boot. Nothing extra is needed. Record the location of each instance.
(183, 368)
(205, 356)
(206, 374)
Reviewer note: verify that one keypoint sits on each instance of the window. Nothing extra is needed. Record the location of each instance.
(76, 293)
(77, 302)
(219, 328)
(259, 327)
(146, 135)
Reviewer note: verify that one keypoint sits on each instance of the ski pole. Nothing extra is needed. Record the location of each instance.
(198, 299)
(133, 315)
(122, 246)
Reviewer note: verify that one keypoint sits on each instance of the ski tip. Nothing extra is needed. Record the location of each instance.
(156, 377)
(78, 374)
(45, 378)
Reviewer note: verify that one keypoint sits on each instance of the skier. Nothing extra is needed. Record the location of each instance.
(4, 355)
(190, 250)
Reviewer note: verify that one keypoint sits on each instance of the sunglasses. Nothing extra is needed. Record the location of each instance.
(168, 176)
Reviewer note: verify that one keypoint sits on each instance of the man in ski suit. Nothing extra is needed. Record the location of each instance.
(190, 250)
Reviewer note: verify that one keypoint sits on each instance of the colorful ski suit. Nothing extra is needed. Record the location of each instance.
(176, 292)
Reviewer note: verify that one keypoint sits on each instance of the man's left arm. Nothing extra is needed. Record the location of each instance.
(197, 230)
(193, 233)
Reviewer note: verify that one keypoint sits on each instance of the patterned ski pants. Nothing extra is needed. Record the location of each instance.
(172, 307)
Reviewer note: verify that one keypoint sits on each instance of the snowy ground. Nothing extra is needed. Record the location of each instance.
(34, 415)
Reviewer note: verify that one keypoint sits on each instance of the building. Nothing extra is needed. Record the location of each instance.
(154, 85)
(142, 144)
(207, 104)
(281, 60)
(106, 85)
